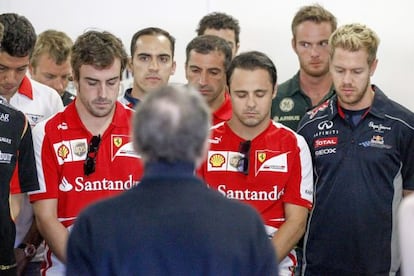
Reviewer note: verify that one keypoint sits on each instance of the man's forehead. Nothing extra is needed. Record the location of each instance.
(13, 62)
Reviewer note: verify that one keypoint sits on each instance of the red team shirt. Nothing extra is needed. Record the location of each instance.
(224, 112)
(280, 171)
(61, 146)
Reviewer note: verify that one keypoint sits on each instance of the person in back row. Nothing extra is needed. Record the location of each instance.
(207, 59)
(151, 63)
(311, 27)
(171, 223)
(50, 62)
(222, 25)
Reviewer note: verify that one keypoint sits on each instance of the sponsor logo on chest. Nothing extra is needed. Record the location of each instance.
(264, 161)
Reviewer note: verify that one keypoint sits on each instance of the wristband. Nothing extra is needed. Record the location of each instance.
(28, 249)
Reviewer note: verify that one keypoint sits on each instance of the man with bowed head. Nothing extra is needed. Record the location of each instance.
(260, 162)
(84, 153)
(171, 223)
(361, 143)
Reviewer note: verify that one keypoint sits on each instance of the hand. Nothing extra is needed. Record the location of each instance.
(21, 260)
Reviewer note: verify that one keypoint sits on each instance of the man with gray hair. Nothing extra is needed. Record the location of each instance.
(176, 225)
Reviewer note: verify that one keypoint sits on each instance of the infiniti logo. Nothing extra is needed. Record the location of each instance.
(325, 125)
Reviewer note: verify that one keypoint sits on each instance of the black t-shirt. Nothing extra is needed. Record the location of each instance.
(16, 146)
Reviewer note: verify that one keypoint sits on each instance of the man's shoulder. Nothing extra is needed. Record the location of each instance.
(287, 88)
(321, 112)
(9, 114)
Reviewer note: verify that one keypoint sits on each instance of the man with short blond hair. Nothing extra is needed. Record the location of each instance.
(50, 62)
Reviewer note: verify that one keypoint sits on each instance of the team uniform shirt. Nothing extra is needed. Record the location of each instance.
(224, 112)
(128, 100)
(361, 172)
(61, 146)
(291, 103)
(279, 171)
(15, 146)
(38, 102)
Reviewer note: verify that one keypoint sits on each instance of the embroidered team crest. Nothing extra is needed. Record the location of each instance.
(122, 147)
(63, 152)
(271, 161)
(117, 141)
(261, 156)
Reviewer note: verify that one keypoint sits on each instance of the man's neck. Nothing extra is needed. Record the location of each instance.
(137, 93)
(315, 88)
(218, 102)
(247, 132)
(8, 96)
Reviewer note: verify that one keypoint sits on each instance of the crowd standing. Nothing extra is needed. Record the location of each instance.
(227, 174)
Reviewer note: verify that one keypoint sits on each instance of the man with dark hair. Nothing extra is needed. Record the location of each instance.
(311, 27)
(221, 25)
(15, 146)
(207, 59)
(50, 62)
(260, 162)
(84, 153)
(151, 63)
(172, 223)
(38, 102)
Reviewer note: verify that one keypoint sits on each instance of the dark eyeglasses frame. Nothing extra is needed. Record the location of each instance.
(90, 162)
(243, 163)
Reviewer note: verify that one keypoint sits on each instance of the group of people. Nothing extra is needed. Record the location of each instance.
(320, 163)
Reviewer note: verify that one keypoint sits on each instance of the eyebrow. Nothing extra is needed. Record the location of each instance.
(93, 79)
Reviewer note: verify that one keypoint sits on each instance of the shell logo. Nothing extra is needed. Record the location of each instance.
(63, 151)
(216, 160)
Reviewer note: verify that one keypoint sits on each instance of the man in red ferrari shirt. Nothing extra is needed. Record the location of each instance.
(84, 153)
(260, 162)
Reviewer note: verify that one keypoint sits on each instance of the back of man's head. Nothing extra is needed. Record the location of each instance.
(54, 43)
(171, 125)
(19, 36)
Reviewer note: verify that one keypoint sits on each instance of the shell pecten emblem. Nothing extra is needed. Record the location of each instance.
(63, 151)
(217, 160)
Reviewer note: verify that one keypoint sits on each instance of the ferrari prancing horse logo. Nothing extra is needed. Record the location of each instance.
(261, 156)
(117, 141)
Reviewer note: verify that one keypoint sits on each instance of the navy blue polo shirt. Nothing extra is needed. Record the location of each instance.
(360, 174)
